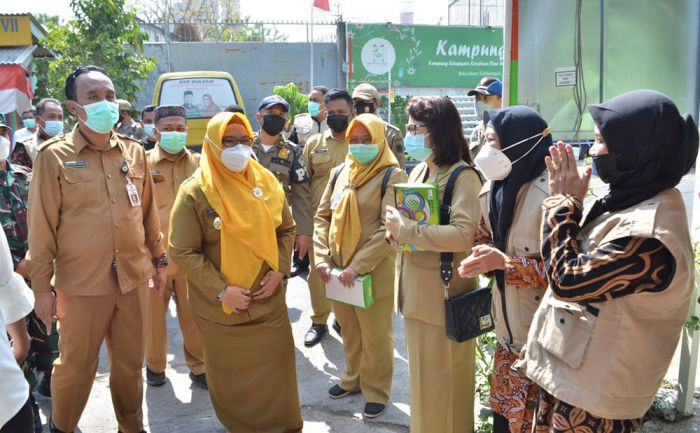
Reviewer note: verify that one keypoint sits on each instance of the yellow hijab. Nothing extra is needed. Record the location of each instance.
(248, 224)
(345, 227)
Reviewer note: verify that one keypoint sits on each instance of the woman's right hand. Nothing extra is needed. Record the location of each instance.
(236, 298)
(324, 272)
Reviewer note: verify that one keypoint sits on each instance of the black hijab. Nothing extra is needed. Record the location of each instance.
(653, 146)
(512, 125)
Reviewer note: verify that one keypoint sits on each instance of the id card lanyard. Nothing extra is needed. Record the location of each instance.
(131, 190)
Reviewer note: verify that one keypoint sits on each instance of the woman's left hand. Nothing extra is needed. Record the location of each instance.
(393, 223)
(268, 285)
(347, 277)
(482, 260)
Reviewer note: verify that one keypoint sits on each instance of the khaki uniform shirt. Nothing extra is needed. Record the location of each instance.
(82, 227)
(322, 153)
(421, 269)
(168, 175)
(285, 161)
(195, 244)
(373, 254)
(395, 140)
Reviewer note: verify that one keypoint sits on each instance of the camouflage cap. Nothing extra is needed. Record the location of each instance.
(169, 110)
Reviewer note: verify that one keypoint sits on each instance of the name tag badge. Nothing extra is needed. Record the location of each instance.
(133, 193)
(336, 200)
(75, 164)
(319, 151)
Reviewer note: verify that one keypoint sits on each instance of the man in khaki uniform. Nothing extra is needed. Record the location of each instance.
(322, 153)
(171, 163)
(366, 100)
(284, 159)
(487, 95)
(94, 229)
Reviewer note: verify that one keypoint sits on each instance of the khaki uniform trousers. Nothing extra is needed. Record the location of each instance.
(157, 332)
(320, 305)
(369, 349)
(442, 380)
(84, 322)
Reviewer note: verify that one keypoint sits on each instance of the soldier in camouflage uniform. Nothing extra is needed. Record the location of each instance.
(14, 197)
(284, 159)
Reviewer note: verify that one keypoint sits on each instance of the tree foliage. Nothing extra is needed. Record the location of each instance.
(298, 102)
(204, 20)
(102, 33)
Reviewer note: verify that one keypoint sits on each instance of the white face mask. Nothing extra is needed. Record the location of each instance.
(4, 148)
(495, 165)
(236, 158)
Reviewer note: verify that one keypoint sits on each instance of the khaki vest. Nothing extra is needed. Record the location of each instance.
(612, 365)
(524, 240)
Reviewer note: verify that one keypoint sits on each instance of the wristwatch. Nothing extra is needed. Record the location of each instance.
(221, 294)
(160, 262)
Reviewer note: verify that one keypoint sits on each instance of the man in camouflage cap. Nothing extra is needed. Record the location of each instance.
(366, 100)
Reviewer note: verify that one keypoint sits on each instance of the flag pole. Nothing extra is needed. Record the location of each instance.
(311, 56)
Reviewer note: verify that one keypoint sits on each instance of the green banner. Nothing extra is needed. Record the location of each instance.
(422, 56)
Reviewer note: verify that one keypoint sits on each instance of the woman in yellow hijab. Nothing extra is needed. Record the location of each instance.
(232, 233)
(349, 234)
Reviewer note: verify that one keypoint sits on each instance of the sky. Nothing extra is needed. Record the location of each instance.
(425, 12)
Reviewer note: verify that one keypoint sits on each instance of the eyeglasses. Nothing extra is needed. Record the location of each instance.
(233, 141)
(413, 128)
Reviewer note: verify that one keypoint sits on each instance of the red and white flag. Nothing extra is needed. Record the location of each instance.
(322, 4)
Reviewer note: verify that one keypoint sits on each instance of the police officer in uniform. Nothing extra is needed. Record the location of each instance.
(366, 100)
(487, 95)
(313, 122)
(284, 159)
(94, 229)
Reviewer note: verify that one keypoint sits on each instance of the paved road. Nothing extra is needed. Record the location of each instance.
(178, 407)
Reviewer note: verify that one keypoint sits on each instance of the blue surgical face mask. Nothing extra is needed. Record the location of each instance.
(29, 123)
(364, 154)
(314, 108)
(416, 148)
(53, 127)
(101, 116)
(172, 141)
(149, 128)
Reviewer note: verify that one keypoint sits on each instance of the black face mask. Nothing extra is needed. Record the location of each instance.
(364, 107)
(273, 124)
(338, 122)
(606, 168)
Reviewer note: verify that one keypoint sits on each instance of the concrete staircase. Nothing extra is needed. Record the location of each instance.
(467, 111)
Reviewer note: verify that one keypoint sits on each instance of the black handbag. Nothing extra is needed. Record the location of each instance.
(467, 315)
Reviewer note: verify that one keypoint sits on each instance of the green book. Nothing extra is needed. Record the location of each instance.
(359, 295)
(419, 202)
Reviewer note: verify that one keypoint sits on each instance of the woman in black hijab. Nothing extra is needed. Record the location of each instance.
(512, 159)
(621, 281)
